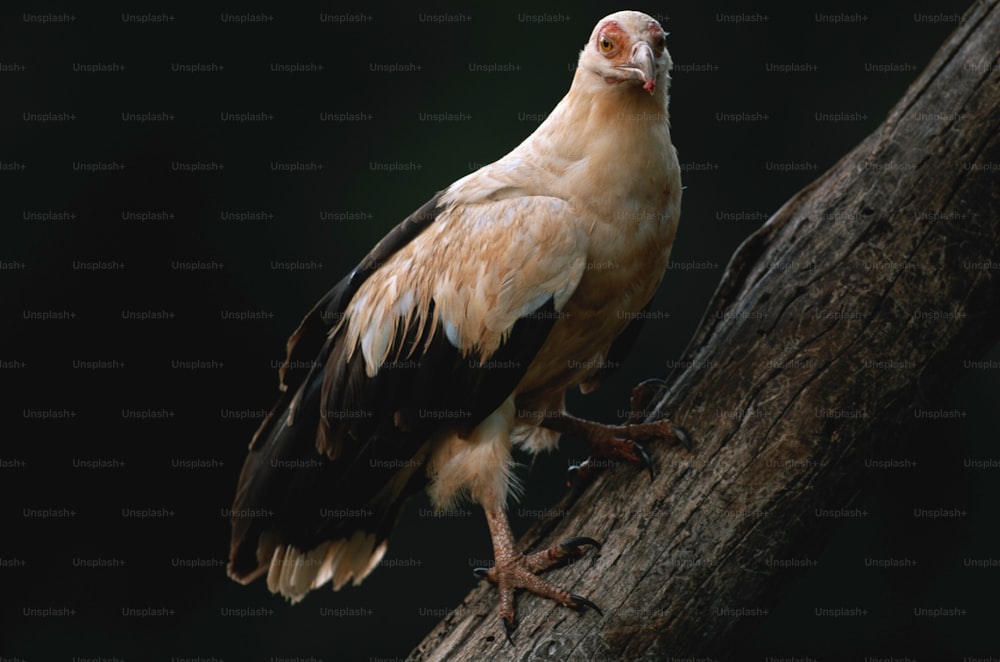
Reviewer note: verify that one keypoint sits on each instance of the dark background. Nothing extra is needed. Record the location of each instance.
(83, 254)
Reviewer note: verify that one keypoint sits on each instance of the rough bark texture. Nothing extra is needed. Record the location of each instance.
(830, 325)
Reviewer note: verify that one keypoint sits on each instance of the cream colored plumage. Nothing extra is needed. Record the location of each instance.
(484, 264)
(539, 261)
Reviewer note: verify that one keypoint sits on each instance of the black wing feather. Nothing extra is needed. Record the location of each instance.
(308, 344)
(373, 428)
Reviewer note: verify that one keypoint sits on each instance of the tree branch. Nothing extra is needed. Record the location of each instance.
(831, 323)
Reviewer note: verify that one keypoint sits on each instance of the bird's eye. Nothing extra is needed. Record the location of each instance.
(606, 45)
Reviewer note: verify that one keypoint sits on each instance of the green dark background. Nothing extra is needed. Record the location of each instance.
(725, 173)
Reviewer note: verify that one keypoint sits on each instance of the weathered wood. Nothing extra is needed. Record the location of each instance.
(860, 294)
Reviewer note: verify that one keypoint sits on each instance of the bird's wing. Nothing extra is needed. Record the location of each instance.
(461, 310)
(434, 328)
(308, 344)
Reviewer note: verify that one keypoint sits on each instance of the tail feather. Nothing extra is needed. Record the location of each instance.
(293, 572)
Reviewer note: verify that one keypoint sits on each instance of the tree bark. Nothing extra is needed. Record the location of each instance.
(830, 325)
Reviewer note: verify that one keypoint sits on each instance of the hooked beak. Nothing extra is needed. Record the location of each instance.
(641, 66)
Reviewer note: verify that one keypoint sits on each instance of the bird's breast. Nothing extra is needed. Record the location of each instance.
(625, 265)
(624, 181)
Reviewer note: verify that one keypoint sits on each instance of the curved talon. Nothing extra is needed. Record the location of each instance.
(584, 602)
(482, 573)
(571, 473)
(645, 460)
(573, 544)
(508, 629)
(576, 474)
(682, 436)
(653, 381)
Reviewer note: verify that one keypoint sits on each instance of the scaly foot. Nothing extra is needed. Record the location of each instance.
(514, 570)
(619, 442)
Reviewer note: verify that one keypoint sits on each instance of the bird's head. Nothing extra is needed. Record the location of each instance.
(627, 48)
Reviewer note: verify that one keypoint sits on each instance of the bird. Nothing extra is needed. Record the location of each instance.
(457, 337)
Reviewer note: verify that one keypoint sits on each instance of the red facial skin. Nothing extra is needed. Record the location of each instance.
(621, 45)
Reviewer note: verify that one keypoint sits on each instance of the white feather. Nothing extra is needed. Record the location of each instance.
(451, 332)
(479, 467)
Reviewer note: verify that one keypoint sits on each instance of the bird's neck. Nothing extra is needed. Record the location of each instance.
(597, 119)
(606, 106)
(614, 137)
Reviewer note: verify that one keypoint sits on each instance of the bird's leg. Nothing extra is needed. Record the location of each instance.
(513, 570)
(609, 443)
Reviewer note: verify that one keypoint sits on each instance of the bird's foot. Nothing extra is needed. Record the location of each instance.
(609, 444)
(515, 571)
